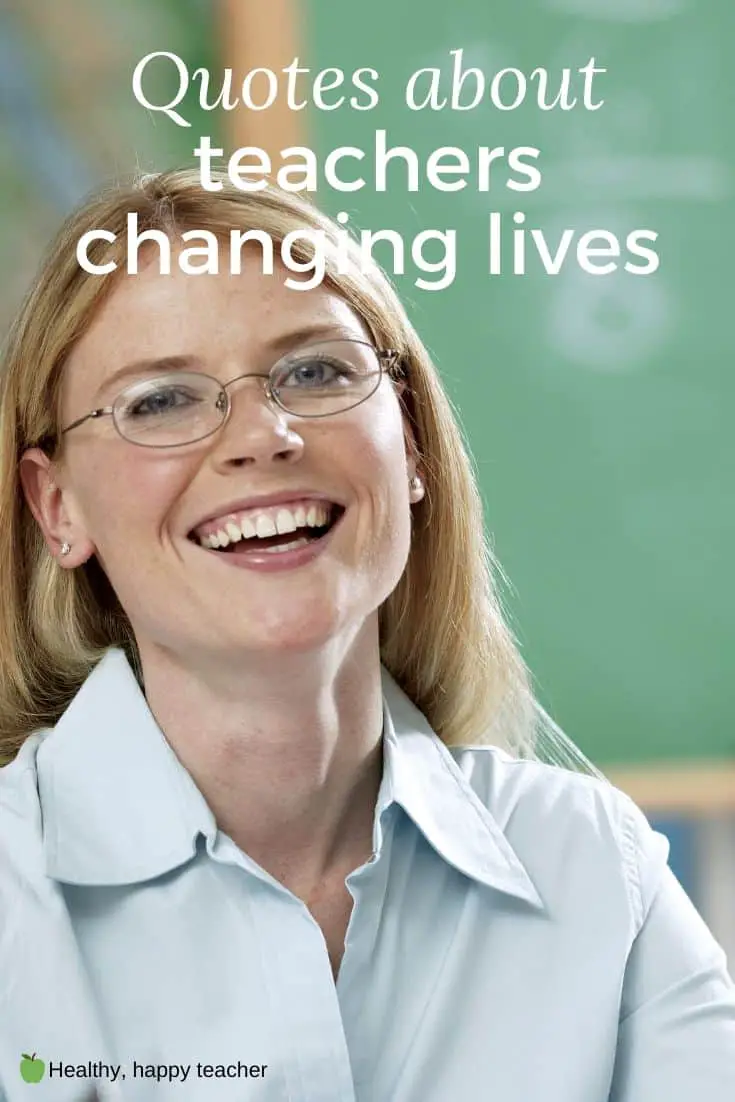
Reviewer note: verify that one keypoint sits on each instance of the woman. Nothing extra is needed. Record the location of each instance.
(273, 823)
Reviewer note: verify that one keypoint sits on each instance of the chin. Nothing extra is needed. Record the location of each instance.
(291, 634)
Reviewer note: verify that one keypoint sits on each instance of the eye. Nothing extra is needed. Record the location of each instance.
(162, 400)
(315, 371)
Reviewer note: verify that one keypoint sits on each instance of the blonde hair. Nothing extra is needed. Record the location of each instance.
(443, 634)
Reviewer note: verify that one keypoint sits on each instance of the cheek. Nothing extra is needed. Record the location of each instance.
(379, 435)
(385, 455)
(128, 493)
(375, 452)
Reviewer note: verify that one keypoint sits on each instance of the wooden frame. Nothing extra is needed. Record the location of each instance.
(258, 35)
(687, 788)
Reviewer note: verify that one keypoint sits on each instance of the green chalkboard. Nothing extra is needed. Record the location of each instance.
(599, 409)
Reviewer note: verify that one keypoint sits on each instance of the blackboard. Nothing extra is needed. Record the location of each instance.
(599, 409)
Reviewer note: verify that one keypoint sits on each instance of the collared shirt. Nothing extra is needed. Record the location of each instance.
(516, 936)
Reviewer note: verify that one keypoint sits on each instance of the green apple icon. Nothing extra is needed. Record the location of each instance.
(31, 1069)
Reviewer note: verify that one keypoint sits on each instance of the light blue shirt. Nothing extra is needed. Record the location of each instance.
(517, 935)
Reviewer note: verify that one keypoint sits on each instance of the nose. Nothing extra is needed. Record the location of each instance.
(256, 430)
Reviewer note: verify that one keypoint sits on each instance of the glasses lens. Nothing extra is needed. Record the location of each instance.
(170, 409)
(326, 378)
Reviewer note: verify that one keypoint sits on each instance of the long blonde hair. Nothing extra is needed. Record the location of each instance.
(443, 634)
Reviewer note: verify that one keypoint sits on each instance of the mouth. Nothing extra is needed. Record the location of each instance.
(273, 530)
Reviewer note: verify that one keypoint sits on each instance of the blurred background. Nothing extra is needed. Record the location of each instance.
(599, 410)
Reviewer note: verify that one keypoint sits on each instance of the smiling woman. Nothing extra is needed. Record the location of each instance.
(86, 352)
(271, 753)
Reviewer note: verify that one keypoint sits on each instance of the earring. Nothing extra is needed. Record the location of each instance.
(416, 485)
(65, 548)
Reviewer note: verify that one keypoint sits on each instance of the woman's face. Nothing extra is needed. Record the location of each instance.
(136, 507)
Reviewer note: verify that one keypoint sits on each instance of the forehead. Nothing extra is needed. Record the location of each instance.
(214, 317)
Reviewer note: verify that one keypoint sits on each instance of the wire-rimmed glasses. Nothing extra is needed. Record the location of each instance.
(182, 407)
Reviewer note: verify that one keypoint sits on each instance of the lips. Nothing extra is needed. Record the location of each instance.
(276, 554)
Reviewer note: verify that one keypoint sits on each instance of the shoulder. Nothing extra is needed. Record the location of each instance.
(568, 828)
(508, 785)
(21, 824)
(18, 779)
(36, 941)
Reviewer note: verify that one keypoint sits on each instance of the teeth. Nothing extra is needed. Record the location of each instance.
(285, 522)
(262, 525)
(286, 546)
(317, 516)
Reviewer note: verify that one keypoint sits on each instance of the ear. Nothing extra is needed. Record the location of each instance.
(53, 508)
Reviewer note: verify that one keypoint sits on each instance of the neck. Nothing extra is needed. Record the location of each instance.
(286, 750)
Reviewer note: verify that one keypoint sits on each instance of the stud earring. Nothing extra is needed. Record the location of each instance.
(415, 484)
(65, 548)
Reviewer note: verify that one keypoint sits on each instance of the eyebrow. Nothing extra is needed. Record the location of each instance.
(158, 365)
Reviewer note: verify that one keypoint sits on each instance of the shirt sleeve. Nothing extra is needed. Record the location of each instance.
(676, 1035)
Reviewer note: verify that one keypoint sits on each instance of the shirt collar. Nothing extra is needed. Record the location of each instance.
(118, 806)
(431, 788)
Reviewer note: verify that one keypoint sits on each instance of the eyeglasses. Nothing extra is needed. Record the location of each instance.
(181, 407)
